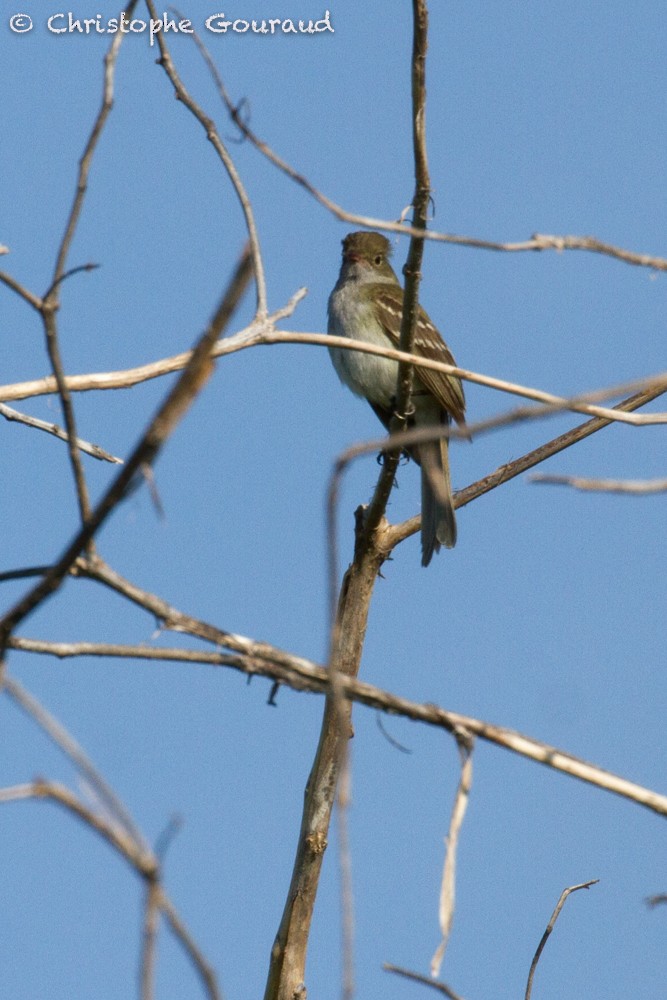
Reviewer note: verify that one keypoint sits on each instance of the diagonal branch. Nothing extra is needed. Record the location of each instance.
(537, 242)
(42, 425)
(213, 136)
(397, 533)
(144, 863)
(160, 428)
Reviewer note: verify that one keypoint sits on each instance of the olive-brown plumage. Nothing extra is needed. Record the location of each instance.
(367, 304)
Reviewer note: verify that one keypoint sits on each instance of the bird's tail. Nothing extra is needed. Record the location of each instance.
(438, 519)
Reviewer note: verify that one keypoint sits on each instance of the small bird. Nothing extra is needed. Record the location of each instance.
(367, 304)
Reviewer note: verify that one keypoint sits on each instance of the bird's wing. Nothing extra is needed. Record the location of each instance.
(447, 389)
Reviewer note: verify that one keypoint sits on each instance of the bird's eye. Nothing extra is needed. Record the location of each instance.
(377, 259)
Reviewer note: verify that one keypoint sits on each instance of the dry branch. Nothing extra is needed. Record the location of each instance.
(213, 136)
(633, 487)
(142, 861)
(304, 675)
(537, 242)
(174, 407)
(42, 425)
(448, 885)
(550, 926)
(417, 977)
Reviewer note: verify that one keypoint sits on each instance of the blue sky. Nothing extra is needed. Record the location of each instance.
(548, 617)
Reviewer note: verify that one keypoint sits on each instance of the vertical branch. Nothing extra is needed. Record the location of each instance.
(149, 942)
(345, 864)
(412, 268)
(288, 955)
(448, 887)
(50, 303)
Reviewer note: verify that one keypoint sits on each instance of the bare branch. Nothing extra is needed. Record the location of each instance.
(435, 984)
(79, 758)
(50, 303)
(395, 534)
(264, 333)
(142, 861)
(537, 242)
(634, 487)
(177, 621)
(86, 160)
(213, 136)
(551, 402)
(157, 433)
(42, 425)
(24, 573)
(24, 293)
(182, 934)
(128, 377)
(304, 675)
(140, 858)
(550, 927)
(149, 942)
(448, 886)
(288, 955)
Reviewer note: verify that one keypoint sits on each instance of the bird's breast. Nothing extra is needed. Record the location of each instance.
(367, 375)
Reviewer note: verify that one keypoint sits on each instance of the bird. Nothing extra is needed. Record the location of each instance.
(367, 304)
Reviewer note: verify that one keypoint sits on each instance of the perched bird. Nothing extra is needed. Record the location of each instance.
(367, 304)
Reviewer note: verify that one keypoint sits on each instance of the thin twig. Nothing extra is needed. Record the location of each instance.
(50, 302)
(24, 573)
(143, 862)
(79, 758)
(550, 926)
(435, 984)
(177, 621)
(27, 296)
(128, 377)
(397, 533)
(448, 885)
(86, 160)
(633, 487)
(183, 935)
(42, 425)
(71, 437)
(537, 242)
(213, 136)
(141, 859)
